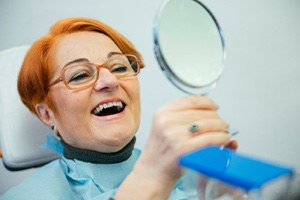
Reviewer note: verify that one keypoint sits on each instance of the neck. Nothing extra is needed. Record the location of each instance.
(85, 155)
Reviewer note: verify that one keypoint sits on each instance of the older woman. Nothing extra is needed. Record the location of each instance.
(81, 80)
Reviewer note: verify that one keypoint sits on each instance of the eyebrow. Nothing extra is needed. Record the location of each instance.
(87, 60)
(112, 53)
(76, 61)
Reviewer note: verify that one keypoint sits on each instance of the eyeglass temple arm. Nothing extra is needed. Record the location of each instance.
(55, 82)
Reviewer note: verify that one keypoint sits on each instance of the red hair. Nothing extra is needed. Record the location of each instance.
(36, 71)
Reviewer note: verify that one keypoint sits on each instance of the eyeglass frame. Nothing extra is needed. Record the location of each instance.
(98, 67)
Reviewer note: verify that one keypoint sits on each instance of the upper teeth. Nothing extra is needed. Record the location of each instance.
(118, 104)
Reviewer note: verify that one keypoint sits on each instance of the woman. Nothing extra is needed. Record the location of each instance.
(81, 80)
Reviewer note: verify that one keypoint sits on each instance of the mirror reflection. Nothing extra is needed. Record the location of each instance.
(189, 45)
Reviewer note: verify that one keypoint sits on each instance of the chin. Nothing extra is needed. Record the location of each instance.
(115, 142)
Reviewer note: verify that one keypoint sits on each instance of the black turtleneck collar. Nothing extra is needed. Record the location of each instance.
(98, 157)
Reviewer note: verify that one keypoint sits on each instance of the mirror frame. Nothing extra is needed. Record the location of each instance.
(178, 82)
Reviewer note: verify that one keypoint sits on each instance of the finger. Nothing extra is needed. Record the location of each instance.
(194, 115)
(204, 140)
(210, 125)
(188, 117)
(192, 102)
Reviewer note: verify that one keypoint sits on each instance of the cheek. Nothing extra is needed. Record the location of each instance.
(68, 104)
(135, 97)
(132, 90)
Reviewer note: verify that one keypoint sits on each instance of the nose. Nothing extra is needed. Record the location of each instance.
(106, 81)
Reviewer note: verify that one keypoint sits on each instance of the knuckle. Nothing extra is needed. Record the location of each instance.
(212, 115)
(222, 123)
(162, 120)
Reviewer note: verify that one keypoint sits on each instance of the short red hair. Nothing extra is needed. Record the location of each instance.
(36, 71)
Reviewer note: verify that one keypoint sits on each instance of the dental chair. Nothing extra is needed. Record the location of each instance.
(21, 133)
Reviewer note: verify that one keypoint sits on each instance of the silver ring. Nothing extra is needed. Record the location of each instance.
(194, 128)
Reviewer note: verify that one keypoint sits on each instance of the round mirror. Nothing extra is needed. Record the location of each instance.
(189, 45)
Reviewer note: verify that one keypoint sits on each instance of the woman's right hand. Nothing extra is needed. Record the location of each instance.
(170, 136)
(157, 168)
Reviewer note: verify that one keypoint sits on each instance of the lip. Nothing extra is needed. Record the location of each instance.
(113, 116)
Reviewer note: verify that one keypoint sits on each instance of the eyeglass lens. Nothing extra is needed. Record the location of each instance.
(80, 75)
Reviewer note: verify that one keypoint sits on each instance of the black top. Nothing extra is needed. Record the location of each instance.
(85, 155)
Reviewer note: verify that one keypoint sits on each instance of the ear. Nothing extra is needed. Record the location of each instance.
(45, 113)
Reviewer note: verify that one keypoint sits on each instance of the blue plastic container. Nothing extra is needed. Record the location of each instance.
(220, 173)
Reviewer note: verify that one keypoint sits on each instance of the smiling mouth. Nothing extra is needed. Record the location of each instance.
(109, 108)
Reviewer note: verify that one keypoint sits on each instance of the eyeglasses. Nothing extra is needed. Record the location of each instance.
(81, 76)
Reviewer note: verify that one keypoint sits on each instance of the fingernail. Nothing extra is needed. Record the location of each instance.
(216, 105)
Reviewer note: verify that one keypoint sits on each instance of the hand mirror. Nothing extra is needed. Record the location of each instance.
(189, 45)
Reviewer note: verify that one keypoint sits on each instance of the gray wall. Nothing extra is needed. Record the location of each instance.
(259, 92)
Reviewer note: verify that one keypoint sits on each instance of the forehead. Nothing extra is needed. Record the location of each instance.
(91, 45)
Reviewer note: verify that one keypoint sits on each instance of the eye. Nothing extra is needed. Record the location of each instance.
(77, 75)
(119, 69)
